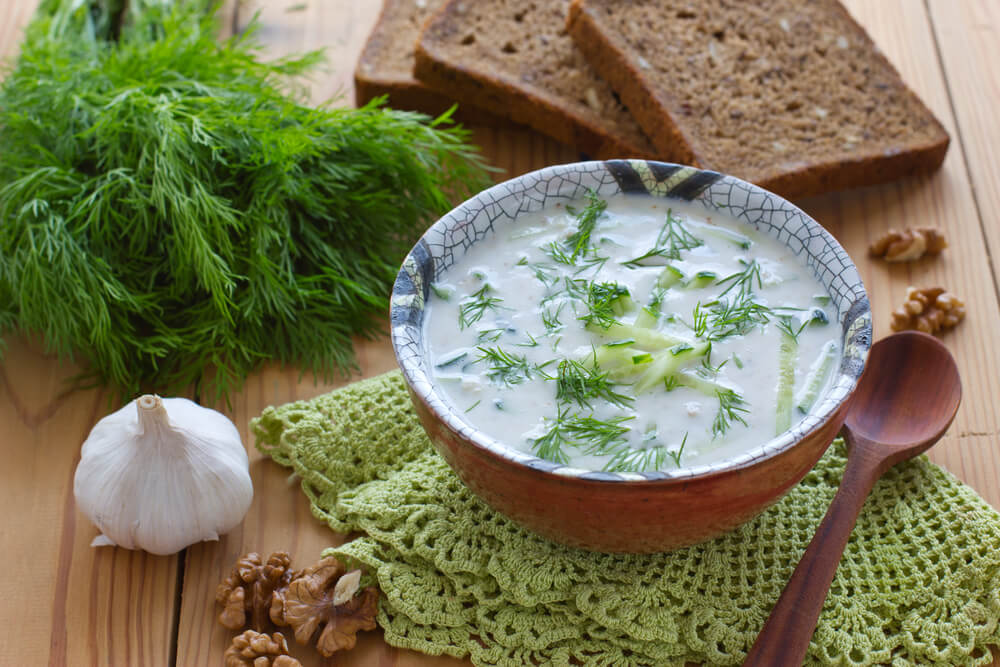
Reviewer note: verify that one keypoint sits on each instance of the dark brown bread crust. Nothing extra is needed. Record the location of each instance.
(483, 77)
(913, 142)
(386, 65)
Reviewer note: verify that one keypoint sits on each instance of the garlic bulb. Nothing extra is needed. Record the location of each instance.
(161, 474)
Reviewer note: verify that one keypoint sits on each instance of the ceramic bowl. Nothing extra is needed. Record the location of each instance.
(626, 512)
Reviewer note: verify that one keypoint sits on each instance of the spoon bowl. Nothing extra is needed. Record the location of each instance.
(905, 401)
(909, 394)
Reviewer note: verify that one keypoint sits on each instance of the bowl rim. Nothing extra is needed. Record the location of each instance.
(412, 285)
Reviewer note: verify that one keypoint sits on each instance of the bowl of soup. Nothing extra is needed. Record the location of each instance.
(629, 356)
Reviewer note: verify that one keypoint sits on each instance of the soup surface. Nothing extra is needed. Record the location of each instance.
(631, 334)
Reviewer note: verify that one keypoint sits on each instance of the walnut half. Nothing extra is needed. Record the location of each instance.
(326, 594)
(255, 649)
(909, 245)
(929, 310)
(249, 587)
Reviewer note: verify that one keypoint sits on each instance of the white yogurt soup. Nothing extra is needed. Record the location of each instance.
(631, 334)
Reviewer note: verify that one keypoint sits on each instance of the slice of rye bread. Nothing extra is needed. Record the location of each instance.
(790, 94)
(386, 63)
(515, 58)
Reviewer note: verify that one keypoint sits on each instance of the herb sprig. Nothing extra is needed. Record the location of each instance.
(174, 215)
(673, 238)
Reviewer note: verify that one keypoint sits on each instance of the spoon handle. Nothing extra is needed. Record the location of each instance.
(785, 637)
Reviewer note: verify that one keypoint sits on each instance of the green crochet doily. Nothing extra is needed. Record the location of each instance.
(919, 583)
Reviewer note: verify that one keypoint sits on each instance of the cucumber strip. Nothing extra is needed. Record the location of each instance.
(787, 356)
(670, 276)
(617, 361)
(703, 279)
(818, 373)
(452, 359)
(735, 238)
(698, 382)
(667, 363)
(646, 319)
(648, 339)
(443, 292)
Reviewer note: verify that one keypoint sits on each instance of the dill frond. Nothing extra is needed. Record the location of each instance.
(175, 216)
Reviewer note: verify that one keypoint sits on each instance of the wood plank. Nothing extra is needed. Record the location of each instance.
(72, 604)
(967, 36)
(903, 31)
(14, 16)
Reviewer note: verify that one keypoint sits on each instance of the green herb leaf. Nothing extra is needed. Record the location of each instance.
(174, 215)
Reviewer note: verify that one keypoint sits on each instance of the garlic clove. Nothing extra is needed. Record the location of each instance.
(161, 474)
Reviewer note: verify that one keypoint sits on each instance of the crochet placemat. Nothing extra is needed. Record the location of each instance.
(919, 583)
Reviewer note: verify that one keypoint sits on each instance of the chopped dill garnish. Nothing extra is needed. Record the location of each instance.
(468, 409)
(586, 221)
(577, 288)
(731, 409)
(559, 255)
(550, 318)
(606, 301)
(670, 382)
(785, 326)
(471, 311)
(531, 341)
(676, 455)
(489, 335)
(595, 436)
(673, 238)
(631, 459)
(544, 273)
(508, 369)
(581, 383)
(735, 311)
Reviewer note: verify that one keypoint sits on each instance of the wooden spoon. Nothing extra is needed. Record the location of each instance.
(903, 404)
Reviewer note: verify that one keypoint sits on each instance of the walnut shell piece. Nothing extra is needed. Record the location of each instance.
(929, 309)
(326, 594)
(249, 588)
(255, 649)
(909, 245)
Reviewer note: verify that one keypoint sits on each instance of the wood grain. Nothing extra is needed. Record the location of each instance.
(902, 30)
(73, 605)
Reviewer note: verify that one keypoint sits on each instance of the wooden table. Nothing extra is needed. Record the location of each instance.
(65, 603)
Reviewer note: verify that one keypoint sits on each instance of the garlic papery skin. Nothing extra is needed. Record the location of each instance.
(161, 474)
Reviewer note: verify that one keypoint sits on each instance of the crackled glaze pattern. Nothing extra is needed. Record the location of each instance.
(447, 241)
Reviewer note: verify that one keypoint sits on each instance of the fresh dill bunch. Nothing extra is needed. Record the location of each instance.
(174, 215)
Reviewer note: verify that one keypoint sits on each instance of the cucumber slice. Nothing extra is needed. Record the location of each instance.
(648, 339)
(665, 363)
(703, 279)
(816, 379)
(787, 355)
(670, 276)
